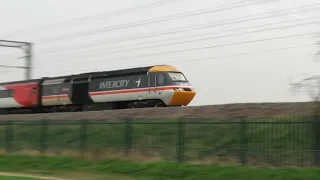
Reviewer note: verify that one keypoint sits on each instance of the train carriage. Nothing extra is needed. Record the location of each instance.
(151, 86)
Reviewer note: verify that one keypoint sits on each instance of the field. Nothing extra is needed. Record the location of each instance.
(83, 169)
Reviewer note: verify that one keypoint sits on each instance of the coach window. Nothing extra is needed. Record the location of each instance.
(3, 93)
(56, 89)
(46, 90)
(10, 93)
(6, 93)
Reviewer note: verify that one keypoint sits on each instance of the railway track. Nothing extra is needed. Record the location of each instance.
(210, 111)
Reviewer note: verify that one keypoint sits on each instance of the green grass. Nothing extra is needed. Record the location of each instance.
(16, 178)
(146, 171)
(266, 143)
(74, 175)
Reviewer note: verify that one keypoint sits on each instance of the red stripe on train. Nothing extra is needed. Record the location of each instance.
(55, 96)
(116, 92)
(128, 91)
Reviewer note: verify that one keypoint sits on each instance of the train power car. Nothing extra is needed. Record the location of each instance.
(152, 86)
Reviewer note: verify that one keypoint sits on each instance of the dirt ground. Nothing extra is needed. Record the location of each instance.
(211, 111)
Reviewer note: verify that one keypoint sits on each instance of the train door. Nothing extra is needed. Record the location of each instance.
(64, 95)
(80, 91)
(56, 91)
(152, 81)
(33, 96)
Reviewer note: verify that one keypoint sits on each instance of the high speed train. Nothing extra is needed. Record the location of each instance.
(151, 86)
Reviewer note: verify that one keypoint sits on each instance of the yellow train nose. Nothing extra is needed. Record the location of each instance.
(182, 98)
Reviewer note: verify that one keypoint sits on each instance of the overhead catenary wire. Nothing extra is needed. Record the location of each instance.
(91, 54)
(144, 22)
(211, 58)
(191, 28)
(187, 36)
(198, 48)
(94, 17)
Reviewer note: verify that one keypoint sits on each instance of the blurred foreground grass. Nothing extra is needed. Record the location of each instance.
(16, 178)
(151, 171)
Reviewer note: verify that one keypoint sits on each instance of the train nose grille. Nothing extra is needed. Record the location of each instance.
(186, 89)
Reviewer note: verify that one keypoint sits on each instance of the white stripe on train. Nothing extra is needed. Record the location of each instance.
(164, 95)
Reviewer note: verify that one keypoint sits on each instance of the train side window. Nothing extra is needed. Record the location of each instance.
(3, 93)
(46, 90)
(56, 89)
(6, 93)
(160, 79)
(151, 79)
(10, 93)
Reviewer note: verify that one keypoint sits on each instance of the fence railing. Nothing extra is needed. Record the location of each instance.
(242, 141)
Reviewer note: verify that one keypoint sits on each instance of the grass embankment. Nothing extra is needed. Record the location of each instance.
(265, 143)
(69, 168)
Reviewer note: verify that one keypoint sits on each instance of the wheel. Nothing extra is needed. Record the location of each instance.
(133, 105)
(159, 104)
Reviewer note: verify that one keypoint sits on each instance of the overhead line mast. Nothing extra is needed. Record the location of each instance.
(27, 47)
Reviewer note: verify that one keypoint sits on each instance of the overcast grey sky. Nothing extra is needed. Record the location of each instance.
(218, 74)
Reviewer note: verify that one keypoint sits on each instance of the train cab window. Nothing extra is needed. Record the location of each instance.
(177, 76)
(160, 79)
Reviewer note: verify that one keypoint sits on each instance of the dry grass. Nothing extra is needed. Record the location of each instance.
(93, 155)
(133, 156)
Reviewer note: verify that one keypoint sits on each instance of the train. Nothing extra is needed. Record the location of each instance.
(139, 87)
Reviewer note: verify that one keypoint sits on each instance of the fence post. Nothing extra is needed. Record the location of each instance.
(9, 136)
(180, 143)
(128, 136)
(243, 141)
(83, 136)
(316, 126)
(43, 136)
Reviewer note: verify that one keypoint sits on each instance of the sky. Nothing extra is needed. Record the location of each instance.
(231, 51)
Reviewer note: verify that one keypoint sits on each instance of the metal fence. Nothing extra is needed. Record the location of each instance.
(239, 141)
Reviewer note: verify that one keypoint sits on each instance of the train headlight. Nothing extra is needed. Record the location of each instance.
(178, 89)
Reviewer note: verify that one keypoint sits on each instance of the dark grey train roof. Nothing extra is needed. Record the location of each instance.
(20, 82)
(120, 72)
